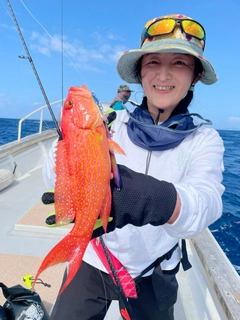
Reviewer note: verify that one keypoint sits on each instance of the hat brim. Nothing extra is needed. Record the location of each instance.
(125, 91)
(126, 66)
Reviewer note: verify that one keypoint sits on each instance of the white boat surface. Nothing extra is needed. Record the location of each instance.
(210, 290)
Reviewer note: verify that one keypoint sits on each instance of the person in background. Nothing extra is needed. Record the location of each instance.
(121, 98)
(171, 180)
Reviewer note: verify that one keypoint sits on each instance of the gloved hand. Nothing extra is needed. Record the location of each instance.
(142, 200)
(48, 198)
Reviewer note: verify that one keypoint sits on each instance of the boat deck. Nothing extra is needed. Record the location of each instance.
(25, 240)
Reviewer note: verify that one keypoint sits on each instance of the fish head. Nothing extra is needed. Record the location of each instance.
(80, 110)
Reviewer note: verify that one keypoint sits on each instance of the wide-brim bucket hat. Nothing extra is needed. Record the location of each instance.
(176, 41)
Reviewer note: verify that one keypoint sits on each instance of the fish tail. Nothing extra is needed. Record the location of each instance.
(58, 255)
(75, 260)
(73, 267)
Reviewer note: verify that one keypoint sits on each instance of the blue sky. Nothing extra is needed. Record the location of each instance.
(94, 34)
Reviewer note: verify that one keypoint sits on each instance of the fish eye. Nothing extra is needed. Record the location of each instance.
(68, 104)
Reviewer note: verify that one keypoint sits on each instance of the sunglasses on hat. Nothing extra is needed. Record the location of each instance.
(162, 26)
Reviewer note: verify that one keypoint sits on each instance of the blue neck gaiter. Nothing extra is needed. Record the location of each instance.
(143, 132)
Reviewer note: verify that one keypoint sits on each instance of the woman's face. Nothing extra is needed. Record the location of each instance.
(166, 78)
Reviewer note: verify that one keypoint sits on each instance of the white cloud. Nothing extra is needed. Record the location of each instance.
(234, 119)
(115, 55)
(79, 54)
(11, 27)
(36, 103)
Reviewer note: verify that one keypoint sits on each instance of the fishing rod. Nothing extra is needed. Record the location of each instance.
(124, 299)
(34, 69)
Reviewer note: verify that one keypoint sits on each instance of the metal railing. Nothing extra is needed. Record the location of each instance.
(104, 104)
(41, 109)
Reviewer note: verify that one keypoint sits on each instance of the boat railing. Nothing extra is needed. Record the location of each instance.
(41, 109)
(104, 104)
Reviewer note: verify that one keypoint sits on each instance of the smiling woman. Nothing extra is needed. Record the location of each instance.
(171, 181)
(166, 77)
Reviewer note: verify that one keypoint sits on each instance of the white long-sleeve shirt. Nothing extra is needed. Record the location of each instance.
(195, 168)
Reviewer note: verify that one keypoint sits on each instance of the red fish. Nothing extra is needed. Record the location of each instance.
(83, 173)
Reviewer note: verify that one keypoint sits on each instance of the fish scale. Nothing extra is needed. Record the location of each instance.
(83, 174)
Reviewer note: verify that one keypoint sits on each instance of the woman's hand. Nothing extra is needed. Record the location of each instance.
(142, 200)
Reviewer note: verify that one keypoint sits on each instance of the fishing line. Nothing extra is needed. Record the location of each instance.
(71, 62)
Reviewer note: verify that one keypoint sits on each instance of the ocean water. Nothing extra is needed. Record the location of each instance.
(9, 128)
(226, 229)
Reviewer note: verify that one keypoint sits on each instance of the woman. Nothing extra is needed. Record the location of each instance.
(171, 178)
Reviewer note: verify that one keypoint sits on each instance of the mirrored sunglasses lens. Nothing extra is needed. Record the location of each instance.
(163, 26)
(193, 28)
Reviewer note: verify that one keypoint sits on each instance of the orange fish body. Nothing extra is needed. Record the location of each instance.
(83, 173)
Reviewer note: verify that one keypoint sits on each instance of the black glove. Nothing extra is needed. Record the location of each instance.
(142, 200)
(48, 197)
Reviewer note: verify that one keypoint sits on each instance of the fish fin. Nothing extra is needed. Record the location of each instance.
(105, 210)
(99, 224)
(63, 187)
(114, 147)
(115, 171)
(58, 255)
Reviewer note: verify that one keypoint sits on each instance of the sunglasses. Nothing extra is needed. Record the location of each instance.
(164, 26)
